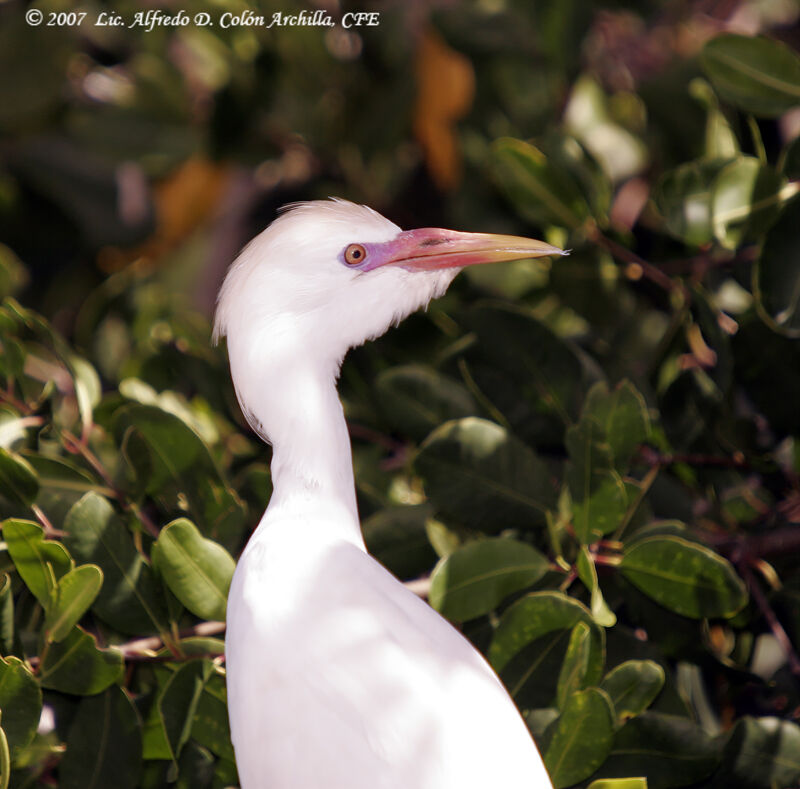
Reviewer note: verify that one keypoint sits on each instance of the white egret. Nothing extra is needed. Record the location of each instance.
(338, 676)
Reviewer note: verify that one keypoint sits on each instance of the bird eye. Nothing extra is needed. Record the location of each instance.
(355, 254)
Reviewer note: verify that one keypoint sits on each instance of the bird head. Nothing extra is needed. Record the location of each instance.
(328, 275)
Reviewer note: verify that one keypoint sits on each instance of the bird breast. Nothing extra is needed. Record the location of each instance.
(339, 677)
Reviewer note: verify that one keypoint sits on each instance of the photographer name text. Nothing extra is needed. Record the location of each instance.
(155, 18)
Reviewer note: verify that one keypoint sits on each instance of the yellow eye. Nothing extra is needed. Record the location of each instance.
(355, 254)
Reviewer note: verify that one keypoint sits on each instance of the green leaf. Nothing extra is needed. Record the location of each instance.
(540, 192)
(761, 753)
(198, 571)
(745, 200)
(632, 686)
(622, 414)
(87, 388)
(6, 615)
(720, 139)
(76, 665)
(18, 482)
(130, 598)
(524, 371)
(398, 539)
(475, 579)
(757, 74)
(179, 700)
(685, 577)
(61, 485)
(572, 676)
(683, 197)
(538, 614)
(70, 600)
(210, 725)
(587, 572)
(777, 275)
(416, 399)
(618, 783)
(587, 116)
(580, 739)
(599, 498)
(5, 760)
(670, 751)
(39, 562)
(483, 477)
(104, 745)
(20, 702)
(174, 466)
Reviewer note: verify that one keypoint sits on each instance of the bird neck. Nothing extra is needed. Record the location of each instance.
(312, 464)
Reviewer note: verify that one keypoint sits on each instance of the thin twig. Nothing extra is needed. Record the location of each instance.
(651, 272)
(78, 446)
(654, 458)
(772, 620)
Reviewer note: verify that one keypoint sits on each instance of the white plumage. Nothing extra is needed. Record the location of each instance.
(338, 676)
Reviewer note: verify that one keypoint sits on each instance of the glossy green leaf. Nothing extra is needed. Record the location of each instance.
(587, 572)
(757, 74)
(39, 562)
(685, 577)
(599, 497)
(18, 482)
(130, 598)
(475, 579)
(210, 725)
(104, 745)
(587, 116)
(618, 783)
(524, 371)
(632, 686)
(572, 676)
(76, 665)
(198, 571)
(179, 700)
(88, 388)
(778, 273)
(683, 197)
(5, 760)
(622, 414)
(6, 615)
(61, 482)
(668, 750)
(481, 476)
(20, 702)
(580, 739)
(761, 753)
(540, 192)
(70, 599)
(745, 200)
(416, 399)
(720, 139)
(538, 614)
(172, 462)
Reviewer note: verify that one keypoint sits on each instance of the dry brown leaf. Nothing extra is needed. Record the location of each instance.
(445, 89)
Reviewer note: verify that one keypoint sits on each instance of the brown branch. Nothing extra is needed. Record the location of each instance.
(80, 447)
(655, 458)
(775, 626)
(640, 266)
(749, 547)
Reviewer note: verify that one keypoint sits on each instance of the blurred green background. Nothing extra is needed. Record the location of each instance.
(567, 430)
